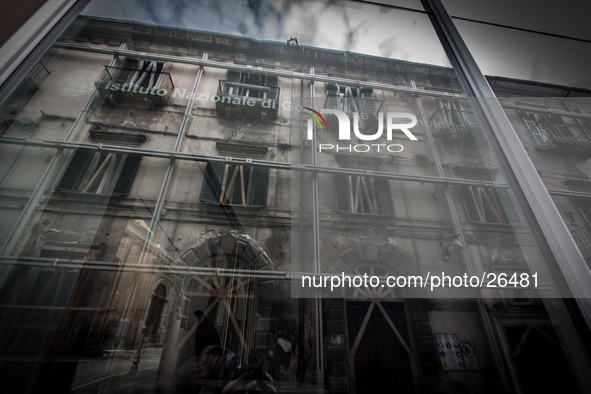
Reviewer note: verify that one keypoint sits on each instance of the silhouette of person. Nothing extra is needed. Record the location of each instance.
(205, 334)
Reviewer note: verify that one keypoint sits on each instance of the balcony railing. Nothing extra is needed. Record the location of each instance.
(237, 99)
(135, 85)
(562, 134)
(564, 138)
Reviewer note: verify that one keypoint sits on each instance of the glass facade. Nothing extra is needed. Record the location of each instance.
(198, 199)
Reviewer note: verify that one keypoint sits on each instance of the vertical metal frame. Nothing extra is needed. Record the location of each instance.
(25, 48)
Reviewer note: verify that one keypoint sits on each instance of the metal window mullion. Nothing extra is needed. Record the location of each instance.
(316, 245)
(172, 166)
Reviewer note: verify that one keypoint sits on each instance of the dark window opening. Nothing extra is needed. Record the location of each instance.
(246, 94)
(147, 73)
(100, 173)
(251, 85)
(235, 184)
(351, 99)
(488, 205)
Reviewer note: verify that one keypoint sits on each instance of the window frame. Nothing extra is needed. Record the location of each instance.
(454, 113)
(501, 199)
(220, 181)
(359, 197)
(538, 136)
(95, 172)
(351, 99)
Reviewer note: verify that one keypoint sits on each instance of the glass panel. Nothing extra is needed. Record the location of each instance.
(166, 220)
(555, 132)
(551, 48)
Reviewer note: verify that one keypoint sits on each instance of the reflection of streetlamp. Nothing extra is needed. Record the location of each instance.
(136, 360)
(450, 247)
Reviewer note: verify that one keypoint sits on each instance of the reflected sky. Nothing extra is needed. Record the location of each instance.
(389, 32)
(344, 26)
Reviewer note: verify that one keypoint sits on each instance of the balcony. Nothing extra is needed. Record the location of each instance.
(241, 99)
(351, 100)
(561, 134)
(144, 83)
(579, 146)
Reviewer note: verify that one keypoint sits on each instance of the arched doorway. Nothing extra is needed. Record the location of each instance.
(220, 293)
(156, 313)
(381, 354)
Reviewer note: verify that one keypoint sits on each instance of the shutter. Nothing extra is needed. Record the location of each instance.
(260, 184)
(584, 205)
(538, 137)
(272, 81)
(212, 182)
(534, 132)
(127, 174)
(332, 94)
(508, 206)
(470, 205)
(76, 170)
(563, 129)
(233, 76)
(384, 197)
(341, 188)
(368, 100)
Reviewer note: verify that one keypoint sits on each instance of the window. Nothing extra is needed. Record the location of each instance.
(550, 131)
(248, 94)
(352, 99)
(235, 184)
(252, 85)
(488, 205)
(538, 127)
(584, 206)
(454, 115)
(358, 194)
(582, 234)
(136, 80)
(100, 173)
(146, 73)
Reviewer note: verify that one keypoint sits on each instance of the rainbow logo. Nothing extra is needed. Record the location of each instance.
(316, 118)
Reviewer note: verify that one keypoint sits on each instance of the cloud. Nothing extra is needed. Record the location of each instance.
(391, 48)
(255, 18)
(335, 25)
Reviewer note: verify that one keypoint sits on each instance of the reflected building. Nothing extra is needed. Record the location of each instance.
(178, 179)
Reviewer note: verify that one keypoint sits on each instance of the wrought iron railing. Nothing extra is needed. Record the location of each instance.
(135, 83)
(258, 93)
